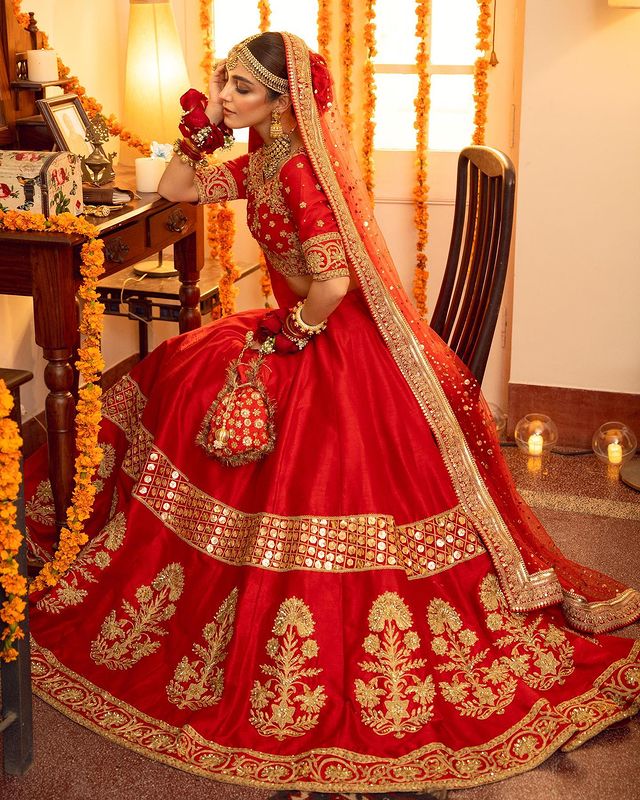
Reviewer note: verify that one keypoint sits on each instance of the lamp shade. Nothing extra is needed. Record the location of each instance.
(156, 73)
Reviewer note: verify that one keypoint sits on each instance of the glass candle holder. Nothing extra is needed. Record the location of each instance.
(614, 443)
(535, 434)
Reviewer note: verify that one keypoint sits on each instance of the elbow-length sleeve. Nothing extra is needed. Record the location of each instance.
(316, 225)
(226, 181)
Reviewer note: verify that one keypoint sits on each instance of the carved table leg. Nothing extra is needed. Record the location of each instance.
(188, 256)
(56, 332)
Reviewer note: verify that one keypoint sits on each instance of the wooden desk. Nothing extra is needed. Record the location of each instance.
(46, 266)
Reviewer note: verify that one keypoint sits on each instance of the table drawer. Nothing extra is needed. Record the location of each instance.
(126, 245)
(171, 224)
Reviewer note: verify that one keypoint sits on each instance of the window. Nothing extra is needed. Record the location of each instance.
(452, 45)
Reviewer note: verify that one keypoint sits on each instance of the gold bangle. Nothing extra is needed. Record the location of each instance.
(308, 330)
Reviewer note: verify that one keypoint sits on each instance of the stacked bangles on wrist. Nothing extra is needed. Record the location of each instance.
(287, 330)
(201, 136)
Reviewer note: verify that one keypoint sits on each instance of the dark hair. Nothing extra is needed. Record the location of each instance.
(268, 48)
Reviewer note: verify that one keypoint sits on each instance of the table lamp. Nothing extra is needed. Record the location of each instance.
(155, 77)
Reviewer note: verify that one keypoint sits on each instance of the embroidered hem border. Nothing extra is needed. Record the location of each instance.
(522, 747)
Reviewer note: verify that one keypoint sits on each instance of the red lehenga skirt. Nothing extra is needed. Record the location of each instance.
(324, 618)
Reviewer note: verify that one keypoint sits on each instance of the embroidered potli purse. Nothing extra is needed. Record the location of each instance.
(239, 426)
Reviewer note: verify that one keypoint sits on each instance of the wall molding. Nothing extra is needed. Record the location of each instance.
(578, 413)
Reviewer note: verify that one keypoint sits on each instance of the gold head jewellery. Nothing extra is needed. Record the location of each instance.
(242, 53)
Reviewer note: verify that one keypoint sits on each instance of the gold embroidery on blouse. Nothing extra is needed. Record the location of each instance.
(398, 699)
(272, 541)
(93, 558)
(200, 683)
(286, 704)
(215, 183)
(325, 256)
(121, 643)
(540, 656)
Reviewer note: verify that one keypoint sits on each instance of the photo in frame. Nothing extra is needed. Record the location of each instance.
(68, 122)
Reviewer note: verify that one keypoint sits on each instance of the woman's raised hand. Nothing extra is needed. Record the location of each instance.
(217, 82)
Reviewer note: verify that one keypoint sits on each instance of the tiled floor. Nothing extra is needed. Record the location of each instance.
(591, 515)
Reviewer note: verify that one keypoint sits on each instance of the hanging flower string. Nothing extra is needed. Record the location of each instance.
(207, 45)
(14, 585)
(369, 96)
(480, 71)
(90, 104)
(324, 30)
(264, 9)
(90, 365)
(346, 52)
(421, 191)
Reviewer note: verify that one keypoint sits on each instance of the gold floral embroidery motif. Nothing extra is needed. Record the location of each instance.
(93, 558)
(214, 183)
(121, 643)
(397, 699)
(199, 683)
(325, 256)
(540, 656)
(106, 466)
(474, 690)
(123, 405)
(137, 453)
(285, 704)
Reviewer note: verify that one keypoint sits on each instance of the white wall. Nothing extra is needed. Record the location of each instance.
(577, 280)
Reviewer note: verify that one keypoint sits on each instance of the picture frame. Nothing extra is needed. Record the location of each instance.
(68, 122)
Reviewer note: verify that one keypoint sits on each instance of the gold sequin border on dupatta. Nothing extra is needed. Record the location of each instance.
(525, 591)
(520, 748)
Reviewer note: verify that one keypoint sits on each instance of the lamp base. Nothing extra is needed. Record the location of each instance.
(161, 267)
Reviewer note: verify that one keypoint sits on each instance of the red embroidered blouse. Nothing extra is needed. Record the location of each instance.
(289, 215)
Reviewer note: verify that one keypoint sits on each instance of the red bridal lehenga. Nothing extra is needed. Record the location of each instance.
(371, 606)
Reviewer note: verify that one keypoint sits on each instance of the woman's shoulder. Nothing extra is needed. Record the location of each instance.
(296, 160)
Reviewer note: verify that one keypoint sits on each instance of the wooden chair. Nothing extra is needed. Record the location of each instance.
(15, 677)
(466, 312)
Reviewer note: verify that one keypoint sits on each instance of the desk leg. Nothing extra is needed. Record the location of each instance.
(56, 331)
(188, 254)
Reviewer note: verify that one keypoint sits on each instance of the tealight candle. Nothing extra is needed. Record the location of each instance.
(42, 66)
(614, 453)
(535, 442)
(148, 173)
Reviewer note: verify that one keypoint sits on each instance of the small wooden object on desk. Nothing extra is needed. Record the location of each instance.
(15, 721)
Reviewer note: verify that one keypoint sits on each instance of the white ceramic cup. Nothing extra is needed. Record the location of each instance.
(42, 66)
(148, 173)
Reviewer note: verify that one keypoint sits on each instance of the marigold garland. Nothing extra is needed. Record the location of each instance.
(346, 52)
(13, 584)
(422, 104)
(227, 286)
(89, 364)
(324, 30)
(207, 44)
(90, 104)
(264, 9)
(480, 71)
(369, 105)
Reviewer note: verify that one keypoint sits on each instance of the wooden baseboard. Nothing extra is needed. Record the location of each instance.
(34, 433)
(578, 413)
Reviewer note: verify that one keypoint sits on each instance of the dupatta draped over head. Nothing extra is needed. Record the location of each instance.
(532, 571)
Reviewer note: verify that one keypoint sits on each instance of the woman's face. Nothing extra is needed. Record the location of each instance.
(244, 99)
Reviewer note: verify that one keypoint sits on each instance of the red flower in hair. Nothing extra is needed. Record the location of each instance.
(321, 80)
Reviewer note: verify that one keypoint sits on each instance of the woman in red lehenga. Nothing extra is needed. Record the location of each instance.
(311, 569)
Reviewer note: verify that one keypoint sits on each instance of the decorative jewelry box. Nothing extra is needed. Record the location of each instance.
(39, 181)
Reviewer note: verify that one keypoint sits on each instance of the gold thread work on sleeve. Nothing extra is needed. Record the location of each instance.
(288, 703)
(215, 183)
(199, 683)
(122, 642)
(325, 256)
(397, 699)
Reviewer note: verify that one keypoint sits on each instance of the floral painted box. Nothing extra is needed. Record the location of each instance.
(42, 182)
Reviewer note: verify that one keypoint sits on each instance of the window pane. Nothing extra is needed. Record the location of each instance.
(395, 32)
(395, 113)
(453, 31)
(452, 110)
(299, 18)
(233, 21)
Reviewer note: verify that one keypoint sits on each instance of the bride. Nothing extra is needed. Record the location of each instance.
(308, 566)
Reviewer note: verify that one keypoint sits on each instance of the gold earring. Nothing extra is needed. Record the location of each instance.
(275, 130)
